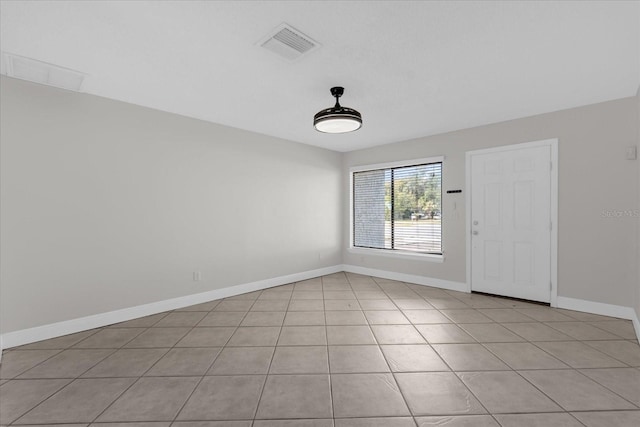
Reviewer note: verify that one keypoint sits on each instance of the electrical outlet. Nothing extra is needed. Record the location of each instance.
(197, 276)
(632, 152)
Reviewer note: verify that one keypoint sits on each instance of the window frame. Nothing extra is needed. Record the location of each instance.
(393, 253)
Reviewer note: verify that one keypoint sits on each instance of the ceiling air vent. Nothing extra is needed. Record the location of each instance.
(36, 71)
(288, 42)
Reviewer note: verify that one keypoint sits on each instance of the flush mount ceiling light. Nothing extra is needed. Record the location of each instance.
(337, 119)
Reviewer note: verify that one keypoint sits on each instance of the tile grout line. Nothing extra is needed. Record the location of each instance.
(275, 348)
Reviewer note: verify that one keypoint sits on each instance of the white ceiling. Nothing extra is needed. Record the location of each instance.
(411, 68)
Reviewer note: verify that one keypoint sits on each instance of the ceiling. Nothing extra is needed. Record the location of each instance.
(411, 68)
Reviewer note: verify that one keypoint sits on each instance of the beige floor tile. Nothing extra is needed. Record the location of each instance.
(304, 318)
(67, 364)
(158, 337)
(397, 334)
(185, 362)
(574, 391)
(377, 304)
(356, 359)
(110, 338)
(466, 316)
(609, 419)
(413, 304)
(222, 318)
(16, 362)
(84, 425)
(345, 318)
(207, 337)
(270, 305)
(18, 397)
(242, 361)
(263, 318)
(316, 281)
(306, 295)
(507, 392)
(469, 357)
(151, 399)
(446, 303)
(585, 317)
(194, 424)
(81, 401)
(370, 294)
(537, 332)
(295, 396)
(131, 362)
(438, 393)
(622, 328)
(418, 317)
(413, 358)
(303, 335)
(142, 322)
(224, 398)
(480, 302)
(205, 306)
(341, 305)
(376, 422)
(311, 287)
(59, 343)
(255, 336)
(444, 334)
(344, 294)
(367, 395)
(545, 314)
(335, 285)
(386, 317)
(306, 305)
(505, 315)
(624, 351)
(582, 331)
(300, 360)
(234, 305)
(349, 335)
(538, 420)
(275, 294)
(293, 423)
(490, 332)
(525, 356)
(579, 355)
(459, 421)
(623, 381)
(181, 319)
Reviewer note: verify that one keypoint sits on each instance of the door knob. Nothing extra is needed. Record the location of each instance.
(474, 232)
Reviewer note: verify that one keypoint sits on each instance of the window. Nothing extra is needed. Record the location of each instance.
(399, 208)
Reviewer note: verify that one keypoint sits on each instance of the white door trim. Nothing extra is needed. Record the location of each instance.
(553, 145)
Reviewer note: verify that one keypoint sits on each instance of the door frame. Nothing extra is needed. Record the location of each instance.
(553, 145)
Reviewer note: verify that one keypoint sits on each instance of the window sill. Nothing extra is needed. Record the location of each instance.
(397, 254)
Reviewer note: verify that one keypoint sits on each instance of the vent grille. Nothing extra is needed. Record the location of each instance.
(288, 42)
(44, 73)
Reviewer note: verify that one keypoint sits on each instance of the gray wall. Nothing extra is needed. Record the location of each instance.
(637, 287)
(597, 254)
(107, 205)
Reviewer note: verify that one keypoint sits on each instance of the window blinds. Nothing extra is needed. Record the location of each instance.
(399, 208)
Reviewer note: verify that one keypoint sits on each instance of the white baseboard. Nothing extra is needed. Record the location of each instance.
(409, 278)
(603, 309)
(39, 333)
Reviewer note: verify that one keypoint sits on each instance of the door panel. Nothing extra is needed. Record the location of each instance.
(510, 222)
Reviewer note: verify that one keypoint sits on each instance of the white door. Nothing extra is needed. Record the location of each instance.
(511, 222)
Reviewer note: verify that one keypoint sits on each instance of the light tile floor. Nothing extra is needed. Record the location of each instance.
(343, 350)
